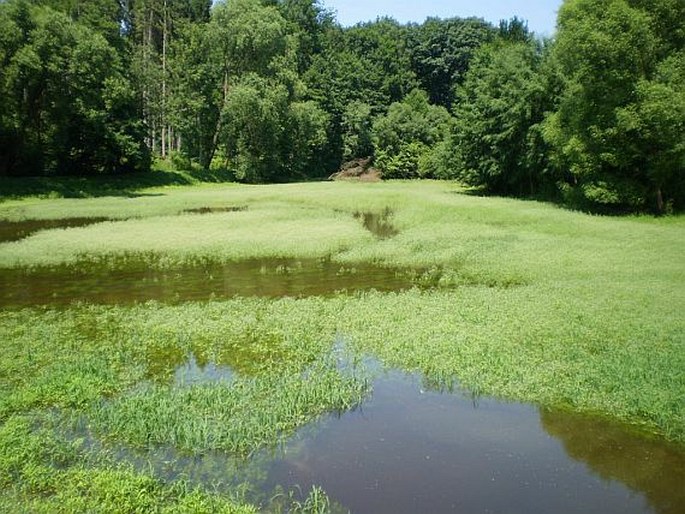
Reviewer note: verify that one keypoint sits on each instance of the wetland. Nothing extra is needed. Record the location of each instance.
(394, 347)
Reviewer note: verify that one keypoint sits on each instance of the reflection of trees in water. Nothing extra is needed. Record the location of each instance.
(651, 467)
(378, 223)
(134, 279)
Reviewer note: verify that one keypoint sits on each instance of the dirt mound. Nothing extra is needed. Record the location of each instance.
(357, 169)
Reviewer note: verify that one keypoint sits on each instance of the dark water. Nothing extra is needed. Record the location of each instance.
(212, 210)
(17, 230)
(137, 282)
(409, 449)
(378, 223)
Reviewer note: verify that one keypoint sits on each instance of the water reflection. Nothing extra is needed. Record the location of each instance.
(644, 465)
(194, 372)
(137, 282)
(411, 449)
(213, 210)
(17, 230)
(378, 223)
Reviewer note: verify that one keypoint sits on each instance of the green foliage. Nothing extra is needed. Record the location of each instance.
(368, 64)
(502, 101)
(409, 131)
(239, 418)
(305, 139)
(198, 93)
(441, 52)
(42, 473)
(580, 329)
(102, 16)
(593, 117)
(382, 45)
(250, 35)
(610, 52)
(68, 108)
(309, 21)
(655, 126)
(356, 126)
(269, 137)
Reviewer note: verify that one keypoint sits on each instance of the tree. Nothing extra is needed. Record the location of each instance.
(267, 136)
(243, 37)
(68, 105)
(612, 54)
(441, 51)
(356, 131)
(407, 134)
(102, 16)
(366, 64)
(654, 127)
(309, 21)
(500, 106)
(198, 96)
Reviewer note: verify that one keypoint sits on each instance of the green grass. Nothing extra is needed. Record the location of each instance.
(558, 308)
(126, 185)
(40, 473)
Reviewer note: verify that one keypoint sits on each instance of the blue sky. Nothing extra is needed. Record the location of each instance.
(541, 14)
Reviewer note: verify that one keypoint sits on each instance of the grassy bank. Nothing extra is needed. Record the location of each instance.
(124, 185)
(537, 304)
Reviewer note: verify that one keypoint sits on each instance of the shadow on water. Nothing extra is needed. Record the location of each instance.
(644, 465)
(137, 282)
(411, 449)
(17, 230)
(378, 223)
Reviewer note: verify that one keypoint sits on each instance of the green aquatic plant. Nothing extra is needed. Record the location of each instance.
(541, 305)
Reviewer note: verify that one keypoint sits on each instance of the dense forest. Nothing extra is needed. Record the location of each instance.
(277, 90)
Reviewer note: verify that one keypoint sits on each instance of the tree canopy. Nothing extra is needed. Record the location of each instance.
(277, 90)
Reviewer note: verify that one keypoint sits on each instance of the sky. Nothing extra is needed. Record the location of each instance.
(540, 14)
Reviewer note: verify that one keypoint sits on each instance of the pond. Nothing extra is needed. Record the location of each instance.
(138, 282)
(410, 449)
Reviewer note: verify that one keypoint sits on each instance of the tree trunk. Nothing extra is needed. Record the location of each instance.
(219, 125)
(163, 121)
(660, 207)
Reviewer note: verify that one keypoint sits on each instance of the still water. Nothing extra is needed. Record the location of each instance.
(17, 230)
(134, 280)
(137, 282)
(410, 449)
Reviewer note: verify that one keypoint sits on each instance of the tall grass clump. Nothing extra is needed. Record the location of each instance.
(240, 418)
(41, 473)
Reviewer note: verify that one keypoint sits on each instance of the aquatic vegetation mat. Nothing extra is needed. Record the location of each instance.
(190, 361)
